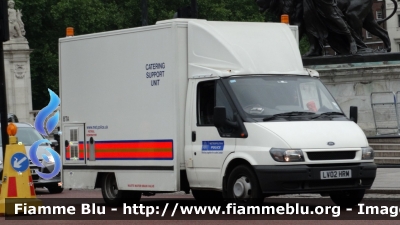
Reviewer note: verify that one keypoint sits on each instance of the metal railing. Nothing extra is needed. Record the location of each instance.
(385, 110)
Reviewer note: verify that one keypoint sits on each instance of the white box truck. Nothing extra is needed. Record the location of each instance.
(216, 109)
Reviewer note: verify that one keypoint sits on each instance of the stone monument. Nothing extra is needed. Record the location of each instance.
(17, 68)
(357, 75)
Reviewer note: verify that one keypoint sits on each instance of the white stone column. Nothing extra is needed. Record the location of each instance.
(18, 78)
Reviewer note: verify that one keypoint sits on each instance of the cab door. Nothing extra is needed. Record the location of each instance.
(209, 147)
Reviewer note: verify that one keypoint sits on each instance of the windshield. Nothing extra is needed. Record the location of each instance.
(26, 135)
(283, 98)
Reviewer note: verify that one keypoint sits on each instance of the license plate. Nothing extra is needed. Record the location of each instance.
(335, 174)
(33, 172)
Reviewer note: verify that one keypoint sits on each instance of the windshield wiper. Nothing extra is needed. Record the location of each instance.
(329, 114)
(287, 114)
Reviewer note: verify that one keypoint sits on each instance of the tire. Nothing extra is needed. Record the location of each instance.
(54, 189)
(243, 187)
(347, 198)
(114, 197)
(206, 196)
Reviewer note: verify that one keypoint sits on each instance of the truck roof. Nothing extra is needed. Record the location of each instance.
(223, 48)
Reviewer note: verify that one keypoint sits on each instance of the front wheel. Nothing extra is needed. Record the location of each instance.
(114, 197)
(347, 198)
(243, 187)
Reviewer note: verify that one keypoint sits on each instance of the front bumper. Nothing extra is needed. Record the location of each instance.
(45, 183)
(291, 179)
(40, 182)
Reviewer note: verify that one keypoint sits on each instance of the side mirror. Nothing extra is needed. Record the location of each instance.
(354, 113)
(54, 142)
(219, 116)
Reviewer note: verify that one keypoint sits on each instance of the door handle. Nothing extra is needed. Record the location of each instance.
(193, 136)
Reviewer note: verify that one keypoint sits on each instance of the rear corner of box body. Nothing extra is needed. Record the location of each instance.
(133, 83)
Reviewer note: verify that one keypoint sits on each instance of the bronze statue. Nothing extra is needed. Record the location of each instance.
(331, 22)
(324, 21)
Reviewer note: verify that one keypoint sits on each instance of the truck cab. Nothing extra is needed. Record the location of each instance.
(262, 135)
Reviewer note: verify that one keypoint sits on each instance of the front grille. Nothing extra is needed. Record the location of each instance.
(335, 165)
(35, 177)
(338, 155)
(33, 167)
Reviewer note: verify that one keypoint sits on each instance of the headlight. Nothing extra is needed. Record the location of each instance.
(367, 153)
(287, 155)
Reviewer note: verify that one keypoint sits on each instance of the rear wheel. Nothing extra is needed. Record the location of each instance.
(347, 198)
(243, 187)
(114, 197)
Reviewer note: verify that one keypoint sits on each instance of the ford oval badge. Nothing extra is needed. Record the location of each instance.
(331, 143)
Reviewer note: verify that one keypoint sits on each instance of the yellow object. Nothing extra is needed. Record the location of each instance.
(70, 31)
(17, 186)
(12, 129)
(285, 18)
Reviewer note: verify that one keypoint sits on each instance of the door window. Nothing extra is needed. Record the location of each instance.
(209, 95)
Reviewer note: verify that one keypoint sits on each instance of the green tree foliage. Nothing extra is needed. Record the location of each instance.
(230, 10)
(46, 21)
(304, 45)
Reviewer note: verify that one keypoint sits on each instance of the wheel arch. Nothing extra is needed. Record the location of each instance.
(231, 162)
(99, 178)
